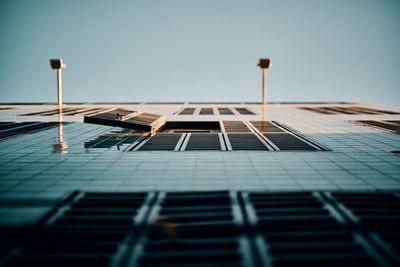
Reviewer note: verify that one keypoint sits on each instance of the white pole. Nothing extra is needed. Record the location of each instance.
(59, 87)
(264, 95)
(264, 85)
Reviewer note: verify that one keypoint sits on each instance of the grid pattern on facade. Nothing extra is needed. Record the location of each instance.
(217, 228)
(210, 111)
(239, 137)
(48, 163)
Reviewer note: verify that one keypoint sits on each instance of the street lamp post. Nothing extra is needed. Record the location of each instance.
(264, 64)
(58, 65)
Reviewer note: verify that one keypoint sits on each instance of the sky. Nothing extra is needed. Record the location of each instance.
(200, 50)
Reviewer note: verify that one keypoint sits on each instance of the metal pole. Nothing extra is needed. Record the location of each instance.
(264, 94)
(59, 87)
(264, 85)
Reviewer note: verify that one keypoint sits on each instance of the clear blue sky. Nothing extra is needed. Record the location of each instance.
(200, 50)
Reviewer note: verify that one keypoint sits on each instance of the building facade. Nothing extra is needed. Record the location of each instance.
(216, 184)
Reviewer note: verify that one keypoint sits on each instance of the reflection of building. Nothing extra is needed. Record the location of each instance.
(215, 187)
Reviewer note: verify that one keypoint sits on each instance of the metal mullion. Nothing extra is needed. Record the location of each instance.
(185, 142)
(140, 142)
(270, 145)
(180, 142)
(222, 142)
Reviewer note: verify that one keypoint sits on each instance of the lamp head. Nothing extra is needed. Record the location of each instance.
(265, 63)
(57, 64)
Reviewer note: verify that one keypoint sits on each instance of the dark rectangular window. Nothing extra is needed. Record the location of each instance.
(191, 126)
(244, 111)
(215, 228)
(50, 112)
(286, 141)
(391, 126)
(225, 111)
(235, 127)
(203, 141)
(243, 141)
(206, 111)
(394, 122)
(16, 129)
(349, 110)
(319, 110)
(187, 111)
(266, 127)
(162, 141)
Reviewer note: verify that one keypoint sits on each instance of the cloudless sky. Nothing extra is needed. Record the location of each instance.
(200, 50)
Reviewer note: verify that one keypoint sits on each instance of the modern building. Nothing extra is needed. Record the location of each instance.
(200, 184)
